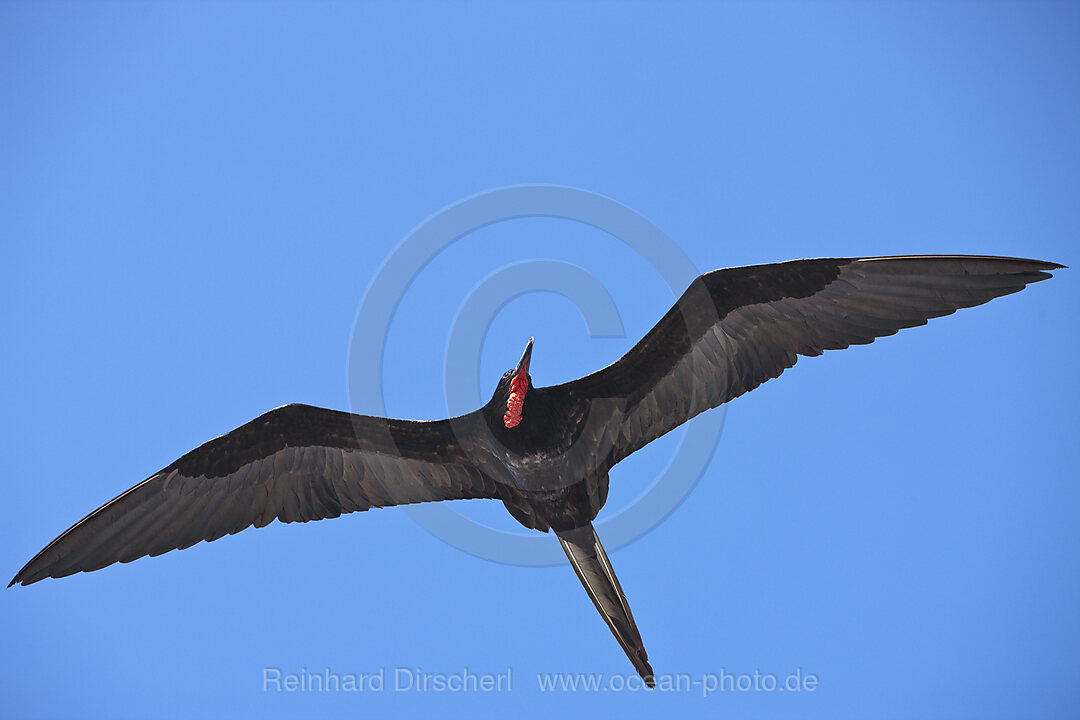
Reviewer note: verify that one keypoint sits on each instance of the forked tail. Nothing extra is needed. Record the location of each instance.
(593, 568)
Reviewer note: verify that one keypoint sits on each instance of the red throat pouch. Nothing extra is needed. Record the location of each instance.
(518, 386)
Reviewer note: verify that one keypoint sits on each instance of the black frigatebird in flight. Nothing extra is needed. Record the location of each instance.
(544, 451)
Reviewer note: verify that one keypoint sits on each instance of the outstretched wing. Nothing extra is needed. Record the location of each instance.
(294, 464)
(734, 329)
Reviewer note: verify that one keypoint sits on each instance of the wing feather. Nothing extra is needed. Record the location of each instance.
(294, 464)
(734, 329)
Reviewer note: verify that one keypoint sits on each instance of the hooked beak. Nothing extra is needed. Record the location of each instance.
(522, 368)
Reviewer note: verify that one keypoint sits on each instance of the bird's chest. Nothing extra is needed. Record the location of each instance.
(563, 501)
(540, 472)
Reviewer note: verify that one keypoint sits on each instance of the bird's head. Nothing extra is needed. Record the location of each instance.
(512, 388)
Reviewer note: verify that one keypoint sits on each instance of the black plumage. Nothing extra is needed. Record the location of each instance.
(545, 452)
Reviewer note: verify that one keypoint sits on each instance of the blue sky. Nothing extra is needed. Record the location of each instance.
(197, 196)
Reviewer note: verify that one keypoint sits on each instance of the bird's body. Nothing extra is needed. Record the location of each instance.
(546, 453)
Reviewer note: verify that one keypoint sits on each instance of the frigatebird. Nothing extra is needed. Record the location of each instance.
(545, 452)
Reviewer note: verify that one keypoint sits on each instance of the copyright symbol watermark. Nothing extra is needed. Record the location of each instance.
(475, 314)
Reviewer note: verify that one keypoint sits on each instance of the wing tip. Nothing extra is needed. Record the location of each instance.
(1044, 265)
(27, 574)
(24, 578)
